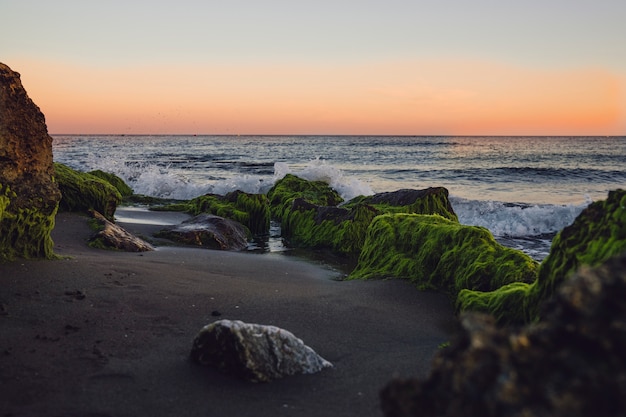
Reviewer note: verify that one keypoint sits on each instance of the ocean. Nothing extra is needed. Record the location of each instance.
(523, 189)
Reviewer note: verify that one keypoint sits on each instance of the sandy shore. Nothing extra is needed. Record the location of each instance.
(104, 333)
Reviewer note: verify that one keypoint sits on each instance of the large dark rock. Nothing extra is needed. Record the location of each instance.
(209, 231)
(571, 364)
(29, 197)
(254, 352)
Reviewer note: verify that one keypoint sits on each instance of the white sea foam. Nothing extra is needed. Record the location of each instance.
(515, 220)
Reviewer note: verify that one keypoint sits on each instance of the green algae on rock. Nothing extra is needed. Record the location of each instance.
(114, 180)
(29, 197)
(83, 192)
(597, 234)
(251, 210)
(432, 200)
(309, 216)
(439, 254)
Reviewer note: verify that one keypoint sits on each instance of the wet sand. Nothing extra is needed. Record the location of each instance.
(103, 333)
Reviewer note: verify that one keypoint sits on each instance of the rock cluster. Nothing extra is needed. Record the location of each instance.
(572, 363)
(29, 197)
(254, 352)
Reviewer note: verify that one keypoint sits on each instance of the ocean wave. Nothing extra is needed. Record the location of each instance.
(508, 220)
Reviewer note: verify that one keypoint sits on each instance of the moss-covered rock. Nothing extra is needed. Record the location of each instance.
(433, 200)
(83, 192)
(123, 188)
(290, 187)
(251, 210)
(29, 197)
(309, 216)
(597, 234)
(440, 254)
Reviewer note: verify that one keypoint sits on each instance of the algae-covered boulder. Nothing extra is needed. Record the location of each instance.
(310, 216)
(598, 233)
(83, 192)
(29, 197)
(440, 254)
(114, 180)
(251, 210)
(572, 363)
(432, 200)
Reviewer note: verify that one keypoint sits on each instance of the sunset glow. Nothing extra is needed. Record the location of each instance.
(416, 69)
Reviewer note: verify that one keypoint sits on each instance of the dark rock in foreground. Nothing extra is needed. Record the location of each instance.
(209, 231)
(113, 236)
(572, 364)
(254, 352)
(29, 197)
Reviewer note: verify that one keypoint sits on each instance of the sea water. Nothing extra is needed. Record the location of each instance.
(523, 189)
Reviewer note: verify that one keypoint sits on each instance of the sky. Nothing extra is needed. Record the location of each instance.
(422, 67)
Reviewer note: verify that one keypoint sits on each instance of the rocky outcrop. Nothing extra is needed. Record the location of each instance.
(254, 352)
(114, 180)
(314, 215)
(84, 192)
(29, 197)
(112, 236)
(598, 233)
(440, 254)
(571, 364)
(209, 231)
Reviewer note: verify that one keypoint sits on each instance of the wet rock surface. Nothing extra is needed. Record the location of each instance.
(254, 352)
(207, 230)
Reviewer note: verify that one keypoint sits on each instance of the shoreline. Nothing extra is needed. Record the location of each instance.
(109, 333)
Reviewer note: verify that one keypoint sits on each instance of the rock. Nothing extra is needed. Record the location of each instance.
(598, 233)
(310, 216)
(29, 197)
(254, 352)
(83, 192)
(440, 254)
(123, 188)
(113, 236)
(251, 210)
(209, 231)
(572, 363)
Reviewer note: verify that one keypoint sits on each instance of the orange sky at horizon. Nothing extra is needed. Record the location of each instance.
(445, 97)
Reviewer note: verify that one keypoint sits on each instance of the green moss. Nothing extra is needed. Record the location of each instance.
(82, 192)
(597, 234)
(25, 232)
(290, 187)
(251, 210)
(432, 200)
(114, 180)
(437, 253)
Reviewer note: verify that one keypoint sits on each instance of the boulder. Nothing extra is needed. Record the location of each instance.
(439, 254)
(123, 188)
(29, 197)
(207, 230)
(598, 233)
(251, 210)
(84, 192)
(254, 352)
(572, 363)
(112, 236)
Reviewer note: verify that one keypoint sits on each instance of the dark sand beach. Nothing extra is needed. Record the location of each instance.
(103, 333)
